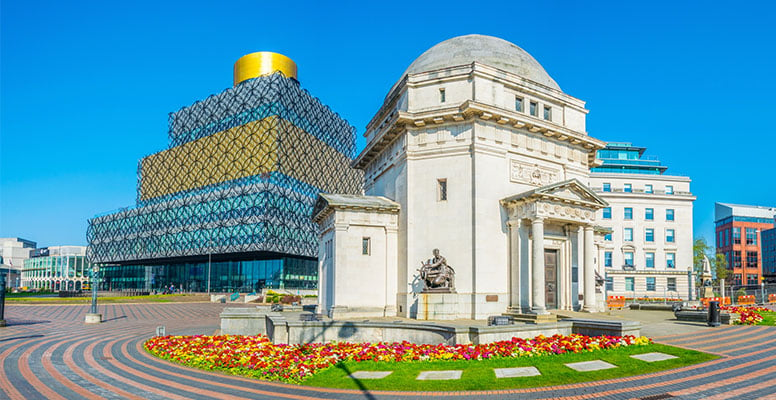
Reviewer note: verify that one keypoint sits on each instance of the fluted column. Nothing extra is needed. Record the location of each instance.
(589, 270)
(538, 305)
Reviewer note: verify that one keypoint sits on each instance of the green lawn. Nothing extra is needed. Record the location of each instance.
(769, 318)
(479, 375)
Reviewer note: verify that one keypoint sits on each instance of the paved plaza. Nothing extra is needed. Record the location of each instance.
(47, 352)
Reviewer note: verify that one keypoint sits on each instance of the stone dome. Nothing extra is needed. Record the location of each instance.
(488, 50)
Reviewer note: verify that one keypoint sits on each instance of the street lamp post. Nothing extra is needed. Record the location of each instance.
(209, 254)
(209, 257)
(92, 317)
(2, 298)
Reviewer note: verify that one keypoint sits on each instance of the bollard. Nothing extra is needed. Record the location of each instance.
(713, 316)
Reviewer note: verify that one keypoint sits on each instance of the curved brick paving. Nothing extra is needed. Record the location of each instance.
(47, 352)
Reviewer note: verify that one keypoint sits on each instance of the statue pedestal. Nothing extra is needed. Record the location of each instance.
(706, 291)
(439, 304)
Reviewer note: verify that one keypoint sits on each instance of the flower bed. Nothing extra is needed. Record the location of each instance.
(256, 356)
(749, 315)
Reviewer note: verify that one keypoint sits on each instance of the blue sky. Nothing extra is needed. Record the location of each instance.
(85, 87)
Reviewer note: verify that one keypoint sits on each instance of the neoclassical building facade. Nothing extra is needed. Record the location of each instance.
(476, 151)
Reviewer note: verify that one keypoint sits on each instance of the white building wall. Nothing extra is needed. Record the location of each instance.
(351, 282)
(682, 204)
(483, 158)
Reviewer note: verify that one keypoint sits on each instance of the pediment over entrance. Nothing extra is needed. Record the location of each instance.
(568, 200)
(570, 191)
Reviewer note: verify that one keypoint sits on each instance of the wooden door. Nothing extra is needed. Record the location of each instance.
(551, 278)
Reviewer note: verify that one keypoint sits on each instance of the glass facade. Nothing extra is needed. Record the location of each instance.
(628, 159)
(769, 252)
(238, 181)
(225, 276)
(55, 273)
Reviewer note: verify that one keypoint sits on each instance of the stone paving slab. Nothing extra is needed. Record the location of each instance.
(439, 375)
(652, 357)
(80, 351)
(370, 374)
(516, 372)
(586, 366)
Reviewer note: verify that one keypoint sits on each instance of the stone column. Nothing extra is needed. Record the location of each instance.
(514, 265)
(538, 305)
(589, 270)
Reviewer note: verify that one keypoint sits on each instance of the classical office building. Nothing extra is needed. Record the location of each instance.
(476, 151)
(648, 252)
(13, 252)
(57, 268)
(768, 237)
(738, 230)
(227, 206)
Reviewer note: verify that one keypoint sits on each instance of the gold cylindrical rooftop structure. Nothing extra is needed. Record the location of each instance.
(263, 63)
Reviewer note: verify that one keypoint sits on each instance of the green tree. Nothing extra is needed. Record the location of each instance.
(719, 267)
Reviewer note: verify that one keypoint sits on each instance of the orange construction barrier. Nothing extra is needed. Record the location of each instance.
(722, 301)
(745, 300)
(616, 302)
(772, 298)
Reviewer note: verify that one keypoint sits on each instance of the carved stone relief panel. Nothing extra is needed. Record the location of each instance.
(532, 174)
(565, 212)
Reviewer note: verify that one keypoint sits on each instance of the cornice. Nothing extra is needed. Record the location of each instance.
(473, 110)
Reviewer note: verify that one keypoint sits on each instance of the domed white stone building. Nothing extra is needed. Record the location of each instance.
(477, 152)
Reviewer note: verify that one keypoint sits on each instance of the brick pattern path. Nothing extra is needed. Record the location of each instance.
(47, 352)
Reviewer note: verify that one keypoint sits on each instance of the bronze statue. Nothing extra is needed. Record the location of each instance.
(437, 275)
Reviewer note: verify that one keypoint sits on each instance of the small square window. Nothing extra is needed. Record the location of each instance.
(669, 189)
(608, 237)
(607, 187)
(442, 189)
(366, 246)
(534, 109)
(442, 96)
(647, 188)
(518, 104)
(548, 113)
(627, 188)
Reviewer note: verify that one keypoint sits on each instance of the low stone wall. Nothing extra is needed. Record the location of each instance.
(598, 327)
(490, 334)
(244, 321)
(653, 307)
(702, 316)
(281, 329)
